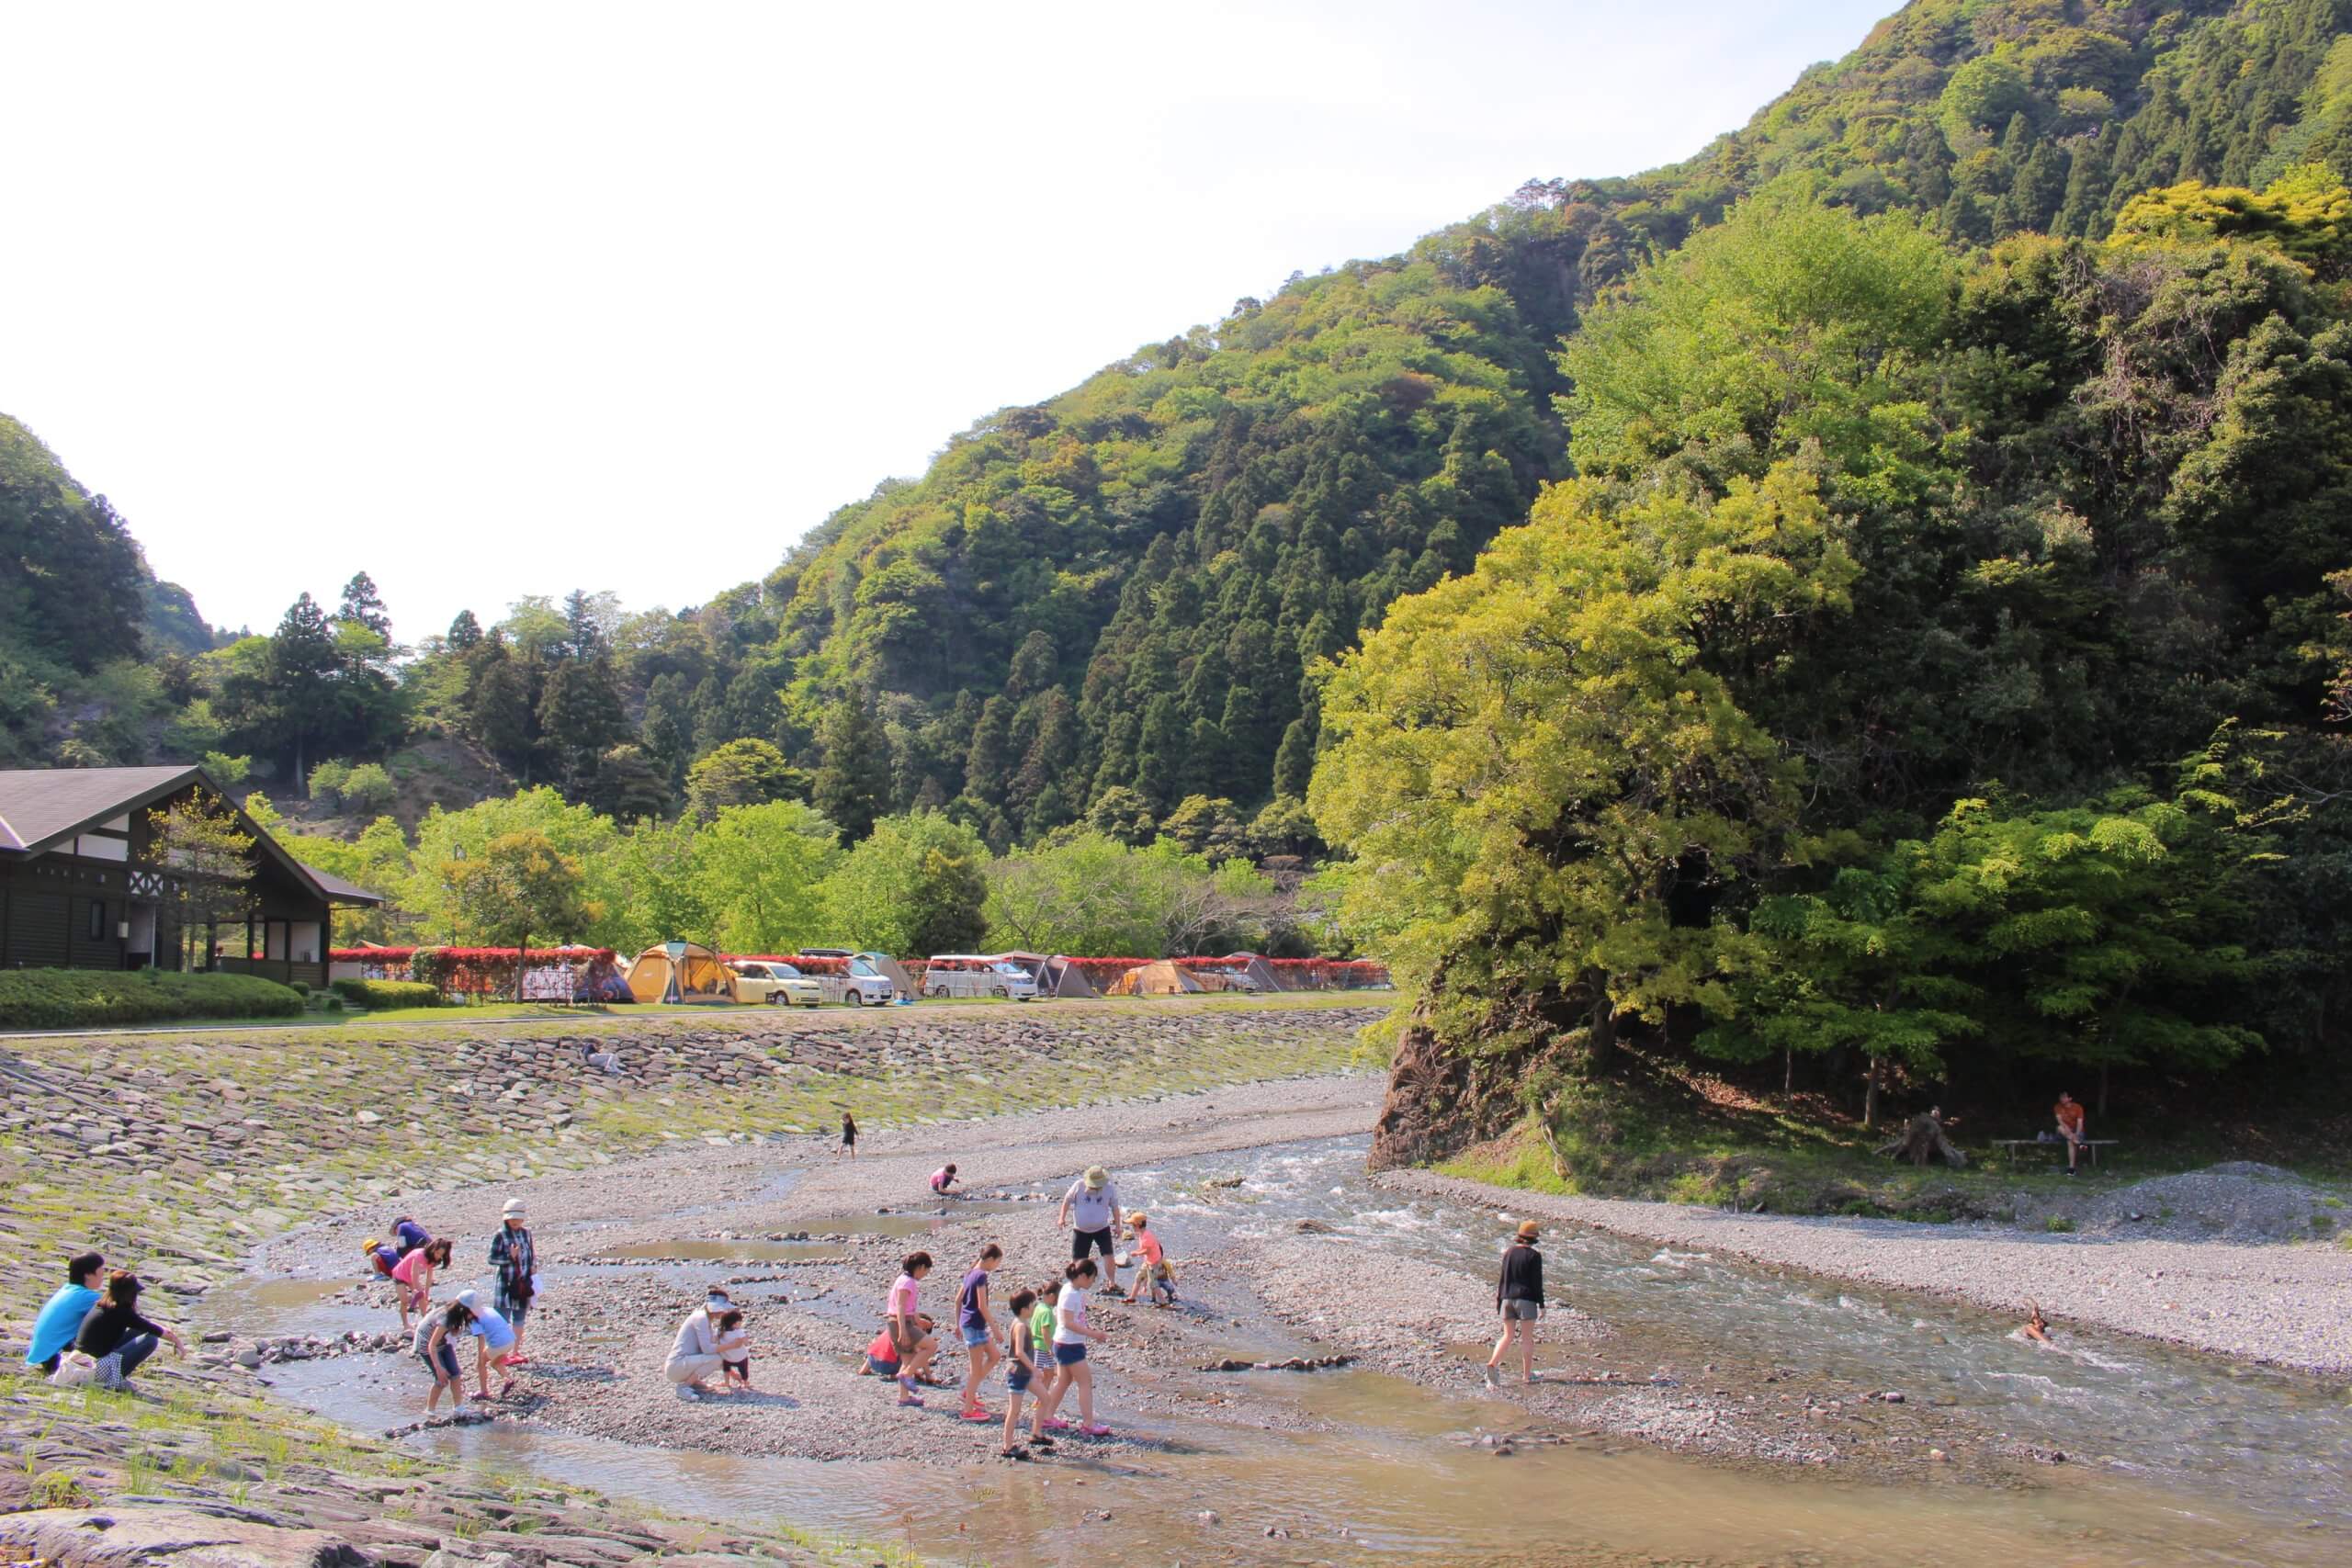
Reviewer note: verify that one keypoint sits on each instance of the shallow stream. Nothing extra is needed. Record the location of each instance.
(2173, 1457)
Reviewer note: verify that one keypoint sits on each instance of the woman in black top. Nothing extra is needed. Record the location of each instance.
(1519, 1296)
(117, 1336)
(848, 1135)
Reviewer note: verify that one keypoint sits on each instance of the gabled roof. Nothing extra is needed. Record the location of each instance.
(337, 890)
(43, 808)
(38, 806)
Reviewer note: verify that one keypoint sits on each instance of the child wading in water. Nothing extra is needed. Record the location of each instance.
(1071, 1331)
(1020, 1368)
(1154, 1278)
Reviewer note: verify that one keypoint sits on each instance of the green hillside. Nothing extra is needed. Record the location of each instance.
(93, 649)
(1120, 589)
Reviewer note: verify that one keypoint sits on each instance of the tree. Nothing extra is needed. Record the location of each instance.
(203, 855)
(760, 869)
(916, 886)
(1532, 763)
(627, 786)
(363, 607)
(853, 784)
(1848, 968)
(518, 886)
(463, 632)
(579, 716)
(303, 663)
(367, 789)
(741, 772)
(1120, 813)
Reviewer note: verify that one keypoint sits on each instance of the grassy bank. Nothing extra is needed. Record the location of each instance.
(1668, 1131)
(173, 1154)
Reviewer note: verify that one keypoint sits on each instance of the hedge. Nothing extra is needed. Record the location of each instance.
(389, 993)
(90, 999)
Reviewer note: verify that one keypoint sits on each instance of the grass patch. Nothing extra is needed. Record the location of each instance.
(2057, 1224)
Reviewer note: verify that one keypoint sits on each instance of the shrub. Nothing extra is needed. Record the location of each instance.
(367, 789)
(89, 999)
(376, 994)
(299, 987)
(327, 780)
(333, 1004)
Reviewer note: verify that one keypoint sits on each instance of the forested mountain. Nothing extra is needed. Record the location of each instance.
(86, 630)
(1108, 602)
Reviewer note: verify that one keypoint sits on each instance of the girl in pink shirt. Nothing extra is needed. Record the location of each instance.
(413, 1274)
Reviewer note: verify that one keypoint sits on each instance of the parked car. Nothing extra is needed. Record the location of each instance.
(863, 986)
(774, 984)
(963, 974)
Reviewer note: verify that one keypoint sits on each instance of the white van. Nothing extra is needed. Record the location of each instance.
(864, 986)
(967, 974)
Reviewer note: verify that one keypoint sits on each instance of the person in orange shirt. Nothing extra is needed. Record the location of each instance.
(2070, 1127)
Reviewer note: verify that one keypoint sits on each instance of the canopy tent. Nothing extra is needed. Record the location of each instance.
(902, 984)
(1159, 979)
(680, 972)
(1242, 971)
(1058, 976)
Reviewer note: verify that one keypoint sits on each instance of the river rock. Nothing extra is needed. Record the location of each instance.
(110, 1537)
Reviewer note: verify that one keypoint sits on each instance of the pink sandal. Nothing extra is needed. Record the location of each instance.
(1096, 1431)
(977, 1413)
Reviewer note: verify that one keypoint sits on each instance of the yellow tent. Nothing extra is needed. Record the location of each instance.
(680, 972)
(1160, 980)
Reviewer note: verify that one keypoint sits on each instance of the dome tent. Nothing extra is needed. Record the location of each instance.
(680, 972)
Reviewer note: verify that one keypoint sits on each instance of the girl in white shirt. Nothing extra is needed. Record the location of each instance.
(1071, 1331)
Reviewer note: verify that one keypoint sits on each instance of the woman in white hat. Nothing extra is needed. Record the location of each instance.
(517, 1264)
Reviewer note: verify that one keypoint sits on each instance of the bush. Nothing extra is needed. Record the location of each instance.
(378, 994)
(333, 1004)
(89, 999)
(327, 780)
(367, 789)
(299, 987)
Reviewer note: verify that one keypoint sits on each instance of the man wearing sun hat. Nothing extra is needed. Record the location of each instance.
(517, 1264)
(1519, 1296)
(1091, 1208)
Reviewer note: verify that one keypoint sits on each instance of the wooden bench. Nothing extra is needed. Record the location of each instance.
(2093, 1144)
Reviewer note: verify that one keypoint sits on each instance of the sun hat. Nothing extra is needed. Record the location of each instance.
(1096, 1176)
(467, 1298)
(1138, 1218)
(514, 1208)
(1527, 1230)
(370, 1245)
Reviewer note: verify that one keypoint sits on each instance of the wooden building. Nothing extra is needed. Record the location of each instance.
(77, 890)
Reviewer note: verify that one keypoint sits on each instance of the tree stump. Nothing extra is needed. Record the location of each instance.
(1922, 1139)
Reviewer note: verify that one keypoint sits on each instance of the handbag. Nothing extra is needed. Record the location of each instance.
(73, 1369)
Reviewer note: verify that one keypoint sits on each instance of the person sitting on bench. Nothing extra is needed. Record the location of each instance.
(2069, 1111)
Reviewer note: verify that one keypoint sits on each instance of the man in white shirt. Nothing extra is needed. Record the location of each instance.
(1091, 1208)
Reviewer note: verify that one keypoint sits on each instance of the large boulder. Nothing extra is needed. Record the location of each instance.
(182, 1537)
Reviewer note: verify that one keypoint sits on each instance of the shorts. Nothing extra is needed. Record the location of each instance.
(880, 1368)
(1523, 1311)
(974, 1337)
(742, 1369)
(1017, 1379)
(1099, 1241)
(447, 1366)
(1068, 1355)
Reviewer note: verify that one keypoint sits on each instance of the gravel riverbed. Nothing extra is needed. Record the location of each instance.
(609, 1241)
(2289, 1307)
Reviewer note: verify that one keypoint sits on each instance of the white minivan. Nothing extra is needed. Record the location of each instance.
(864, 986)
(968, 974)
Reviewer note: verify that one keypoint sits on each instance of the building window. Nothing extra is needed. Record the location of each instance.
(97, 919)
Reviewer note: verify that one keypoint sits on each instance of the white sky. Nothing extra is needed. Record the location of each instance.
(493, 299)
